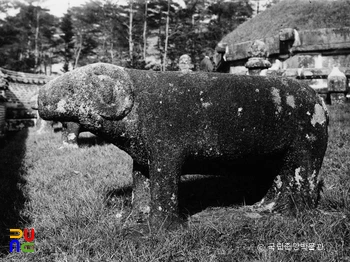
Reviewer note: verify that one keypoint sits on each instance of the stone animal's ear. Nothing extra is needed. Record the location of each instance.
(114, 95)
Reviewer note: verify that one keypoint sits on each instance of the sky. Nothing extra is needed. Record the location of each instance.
(56, 7)
(59, 7)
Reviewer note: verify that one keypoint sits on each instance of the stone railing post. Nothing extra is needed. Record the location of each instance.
(258, 58)
(337, 84)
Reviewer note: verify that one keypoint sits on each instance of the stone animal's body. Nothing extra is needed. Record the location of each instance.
(171, 122)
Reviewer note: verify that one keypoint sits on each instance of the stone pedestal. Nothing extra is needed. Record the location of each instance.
(256, 65)
(258, 58)
(337, 84)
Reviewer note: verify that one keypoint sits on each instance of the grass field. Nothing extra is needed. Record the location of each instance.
(75, 198)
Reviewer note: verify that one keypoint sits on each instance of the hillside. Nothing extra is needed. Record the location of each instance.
(302, 14)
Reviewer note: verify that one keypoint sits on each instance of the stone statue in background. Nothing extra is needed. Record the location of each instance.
(185, 63)
(258, 63)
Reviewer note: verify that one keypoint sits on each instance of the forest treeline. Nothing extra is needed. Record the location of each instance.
(33, 40)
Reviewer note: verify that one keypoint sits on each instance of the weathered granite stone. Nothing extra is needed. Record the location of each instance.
(174, 123)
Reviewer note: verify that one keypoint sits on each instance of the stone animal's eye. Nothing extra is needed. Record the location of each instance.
(106, 91)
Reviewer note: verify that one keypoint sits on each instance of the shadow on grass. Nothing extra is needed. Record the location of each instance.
(198, 193)
(12, 184)
(85, 139)
(89, 141)
(124, 193)
(232, 182)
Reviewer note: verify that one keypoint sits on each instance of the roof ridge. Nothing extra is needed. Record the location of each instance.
(28, 78)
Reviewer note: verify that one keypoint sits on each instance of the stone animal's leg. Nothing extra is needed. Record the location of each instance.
(297, 186)
(141, 196)
(165, 173)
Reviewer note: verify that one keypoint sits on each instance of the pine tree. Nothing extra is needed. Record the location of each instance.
(67, 37)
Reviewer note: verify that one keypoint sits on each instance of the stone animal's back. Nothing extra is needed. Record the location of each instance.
(215, 114)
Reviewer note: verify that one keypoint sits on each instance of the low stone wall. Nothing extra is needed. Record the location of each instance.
(332, 84)
(327, 74)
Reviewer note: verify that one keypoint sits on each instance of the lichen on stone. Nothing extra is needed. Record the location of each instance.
(291, 101)
(319, 116)
(277, 99)
(298, 179)
(60, 106)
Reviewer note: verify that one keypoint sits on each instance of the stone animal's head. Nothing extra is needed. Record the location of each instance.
(88, 95)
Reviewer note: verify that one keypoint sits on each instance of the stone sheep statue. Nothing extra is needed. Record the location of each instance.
(175, 123)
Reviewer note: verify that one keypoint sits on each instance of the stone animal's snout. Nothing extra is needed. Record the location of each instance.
(98, 91)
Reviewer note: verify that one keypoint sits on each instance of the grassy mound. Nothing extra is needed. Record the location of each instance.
(302, 14)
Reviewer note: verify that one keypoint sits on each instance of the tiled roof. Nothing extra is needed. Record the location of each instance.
(21, 77)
